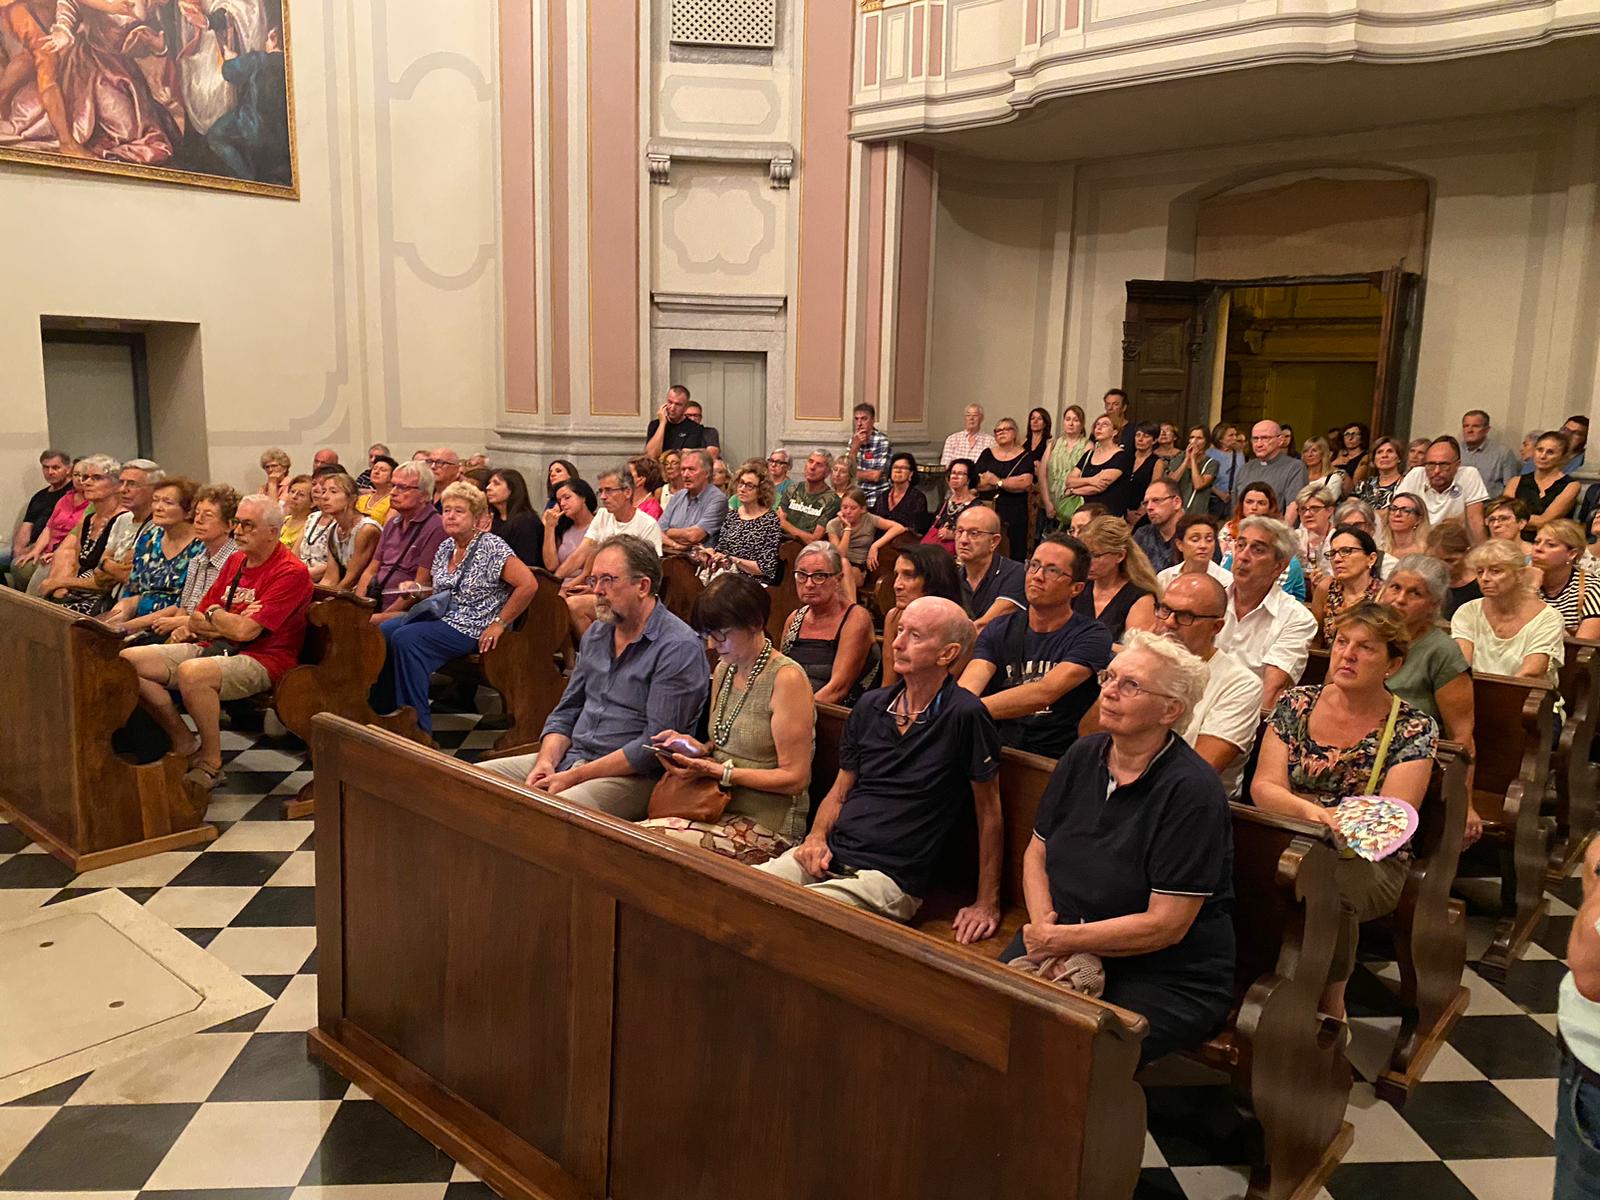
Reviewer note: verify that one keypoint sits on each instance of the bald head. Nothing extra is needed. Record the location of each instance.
(1266, 439)
(1191, 612)
(934, 635)
(977, 536)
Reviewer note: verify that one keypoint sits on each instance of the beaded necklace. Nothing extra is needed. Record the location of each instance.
(722, 726)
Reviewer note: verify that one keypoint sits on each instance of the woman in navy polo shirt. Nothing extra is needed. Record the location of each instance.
(1132, 854)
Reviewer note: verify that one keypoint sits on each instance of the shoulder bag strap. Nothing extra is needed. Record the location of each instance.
(792, 630)
(1383, 748)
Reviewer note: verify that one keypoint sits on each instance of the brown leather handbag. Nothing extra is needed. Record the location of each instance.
(691, 797)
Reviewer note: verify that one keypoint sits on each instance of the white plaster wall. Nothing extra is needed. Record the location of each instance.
(367, 310)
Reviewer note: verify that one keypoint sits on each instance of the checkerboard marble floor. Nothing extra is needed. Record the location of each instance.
(240, 1112)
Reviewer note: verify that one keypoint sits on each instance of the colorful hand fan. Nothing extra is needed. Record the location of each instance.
(1375, 826)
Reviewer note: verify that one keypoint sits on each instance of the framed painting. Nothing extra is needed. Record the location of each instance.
(196, 92)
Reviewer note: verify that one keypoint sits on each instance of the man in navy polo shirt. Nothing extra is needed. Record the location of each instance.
(913, 759)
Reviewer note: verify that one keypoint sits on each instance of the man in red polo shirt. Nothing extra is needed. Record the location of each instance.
(255, 613)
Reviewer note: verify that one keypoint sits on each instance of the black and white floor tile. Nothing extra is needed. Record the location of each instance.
(240, 1112)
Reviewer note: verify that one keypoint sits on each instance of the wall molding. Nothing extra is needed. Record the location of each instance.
(659, 153)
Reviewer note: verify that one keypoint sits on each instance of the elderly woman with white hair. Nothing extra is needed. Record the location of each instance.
(1511, 630)
(1131, 853)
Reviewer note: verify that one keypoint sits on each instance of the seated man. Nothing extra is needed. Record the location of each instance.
(618, 514)
(911, 759)
(992, 585)
(694, 515)
(1132, 855)
(640, 670)
(804, 512)
(1266, 629)
(1035, 669)
(403, 562)
(244, 635)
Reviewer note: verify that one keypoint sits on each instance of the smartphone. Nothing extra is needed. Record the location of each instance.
(678, 746)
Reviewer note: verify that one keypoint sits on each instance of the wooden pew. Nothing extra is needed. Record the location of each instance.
(786, 596)
(680, 585)
(1570, 765)
(1284, 1064)
(62, 784)
(572, 1007)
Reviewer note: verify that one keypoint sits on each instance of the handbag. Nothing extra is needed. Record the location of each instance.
(442, 603)
(692, 797)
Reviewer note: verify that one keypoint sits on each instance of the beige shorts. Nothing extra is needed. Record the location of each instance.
(241, 675)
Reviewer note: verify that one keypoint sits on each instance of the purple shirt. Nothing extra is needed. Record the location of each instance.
(406, 545)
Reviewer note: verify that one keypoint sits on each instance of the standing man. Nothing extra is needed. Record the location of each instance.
(1158, 536)
(1577, 428)
(694, 515)
(1271, 466)
(323, 459)
(406, 545)
(640, 670)
(446, 466)
(971, 440)
(29, 540)
(671, 428)
(1265, 628)
(1449, 490)
(709, 434)
(805, 512)
(869, 448)
(374, 452)
(618, 515)
(1493, 462)
(1036, 670)
(992, 585)
(1578, 1100)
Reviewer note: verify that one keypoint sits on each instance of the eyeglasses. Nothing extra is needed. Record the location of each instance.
(405, 487)
(974, 533)
(746, 483)
(813, 576)
(1405, 510)
(1050, 571)
(1314, 508)
(1110, 681)
(244, 526)
(94, 478)
(603, 490)
(1179, 617)
(442, 462)
(603, 582)
(1345, 551)
(777, 462)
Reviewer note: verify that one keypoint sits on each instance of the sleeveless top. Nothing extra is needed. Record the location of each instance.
(815, 656)
(341, 545)
(1056, 469)
(1335, 604)
(1115, 614)
(90, 604)
(749, 745)
(1528, 492)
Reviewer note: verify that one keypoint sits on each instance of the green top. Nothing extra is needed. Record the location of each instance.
(1433, 661)
(806, 510)
(750, 745)
(1056, 469)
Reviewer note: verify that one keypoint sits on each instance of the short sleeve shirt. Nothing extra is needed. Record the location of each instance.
(806, 510)
(1161, 553)
(1432, 661)
(640, 525)
(1327, 774)
(1466, 489)
(275, 595)
(204, 572)
(684, 435)
(1495, 655)
(1082, 640)
(1005, 580)
(1108, 847)
(707, 510)
(405, 547)
(1230, 710)
(911, 789)
(40, 506)
(479, 590)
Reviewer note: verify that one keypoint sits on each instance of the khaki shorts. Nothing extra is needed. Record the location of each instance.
(241, 675)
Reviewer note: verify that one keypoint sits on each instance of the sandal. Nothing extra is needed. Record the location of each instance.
(204, 777)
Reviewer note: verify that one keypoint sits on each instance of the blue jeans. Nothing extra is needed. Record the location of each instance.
(416, 650)
(1577, 1136)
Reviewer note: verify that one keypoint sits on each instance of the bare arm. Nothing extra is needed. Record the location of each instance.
(1036, 695)
(1270, 788)
(981, 918)
(891, 628)
(361, 556)
(793, 734)
(1476, 530)
(1164, 923)
(654, 443)
(813, 854)
(1273, 682)
(1219, 752)
(1036, 884)
(977, 675)
(1583, 947)
(854, 639)
(1093, 485)
(1534, 666)
(1000, 608)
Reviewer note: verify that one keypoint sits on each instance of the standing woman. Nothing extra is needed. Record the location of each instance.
(1100, 474)
(1350, 456)
(1384, 473)
(275, 463)
(1061, 456)
(1121, 592)
(1144, 467)
(1005, 473)
(560, 471)
(375, 503)
(1406, 529)
(958, 477)
(903, 501)
(353, 539)
(919, 571)
(1353, 579)
(1548, 491)
(1319, 467)
(1195, 471)
(565, 525)
(644, 473)
(1511, 630)
(511, 516)
(1566, 584)
(490, 588)
(1167, 449)
(1038, 440)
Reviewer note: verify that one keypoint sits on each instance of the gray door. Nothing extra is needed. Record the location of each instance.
(92, 398)
(731, 386)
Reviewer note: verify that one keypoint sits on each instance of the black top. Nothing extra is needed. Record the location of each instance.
(40, 506)
(1458, 596)
(1005, 578)
(1114, 616)
(1007, 504)
(816, 656)
(685, 435)
(1137, 481)
(911, 789)
(1169, 831)
(1115, 497)
(1528, 492)
(524, 533)
(912, 511)
(1022, 655)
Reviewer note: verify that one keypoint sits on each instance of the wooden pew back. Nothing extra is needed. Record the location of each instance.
(572, 1006)
(680, 585)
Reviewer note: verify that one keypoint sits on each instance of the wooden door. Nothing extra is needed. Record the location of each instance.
(1397, 350)
(1165, 340)
(731, 386)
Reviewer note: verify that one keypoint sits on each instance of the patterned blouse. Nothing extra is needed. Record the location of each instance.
(1327, 774)
(1336, 602)
(756, 540)
(480, 592)
(157, 580)
(203, 573)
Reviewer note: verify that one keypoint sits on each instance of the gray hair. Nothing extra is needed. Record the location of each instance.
(620, 474)
(829, 554)
(1183, 674)
(1283, 543)
(641, 557)
(268, 511)
(103, 463)
(153, 472)
(1431, 571)
(421, 470)
(825, 455)
(1355, 505)
(705, 458)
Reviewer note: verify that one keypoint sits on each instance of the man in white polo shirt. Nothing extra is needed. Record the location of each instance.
(618, 514)
(1266, 628)
(1450, 491)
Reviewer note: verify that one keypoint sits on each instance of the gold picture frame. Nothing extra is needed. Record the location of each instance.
(185, 177)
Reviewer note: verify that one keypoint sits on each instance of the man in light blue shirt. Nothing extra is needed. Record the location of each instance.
(640, 670)
(1494, 463)
(1578, 1100)
(694, 515)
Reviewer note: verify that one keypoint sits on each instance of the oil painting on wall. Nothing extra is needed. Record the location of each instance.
(189, 91)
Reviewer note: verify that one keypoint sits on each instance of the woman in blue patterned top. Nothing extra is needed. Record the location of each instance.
(163, 553)
(489, 587)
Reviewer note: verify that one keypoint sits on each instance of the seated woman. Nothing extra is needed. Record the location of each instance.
(749, 537)
(378, 500)
(311, 547)
(1358, 514)
(671, 463)
(1079, 521)
(858, 535)
(1121, 592)
(1143, 882)
(215, 507)
(1350, 737)
(1566, 584)
(903, 502)
(1505, 519)
(296, 511)
(1259, 500)
(353, 538)
(1547, 490)
(842, 475)
(763, 732)
(1197, 546)
(958, 477)
(829, 636)
(1448, 542)
(1405, 529)
(1314, 506)
(919, 571)
(1435, 678)
(721, 477)
(1353, 557)
(564, 527)
(276, 464)
(1510, 631)
(489, 587)
(162, 556)
(645, 474)
(511, 516)
(74, 580)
